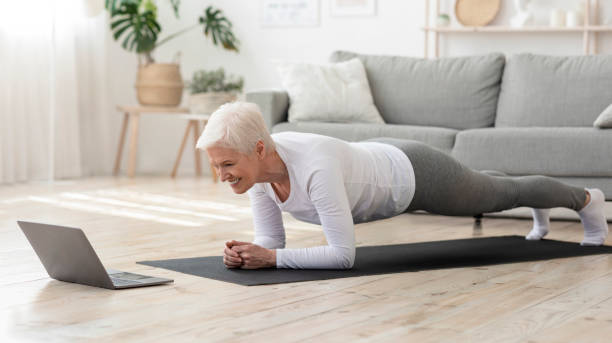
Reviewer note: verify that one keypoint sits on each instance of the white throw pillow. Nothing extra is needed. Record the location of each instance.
(604, 121)
(336, 92)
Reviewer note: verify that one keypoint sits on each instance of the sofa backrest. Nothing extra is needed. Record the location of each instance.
(553, 91)
(458, 92)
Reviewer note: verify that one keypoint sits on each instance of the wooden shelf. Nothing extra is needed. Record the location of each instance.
(509, 29)
(589, 30)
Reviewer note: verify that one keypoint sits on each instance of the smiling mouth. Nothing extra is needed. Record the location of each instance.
(235, 181)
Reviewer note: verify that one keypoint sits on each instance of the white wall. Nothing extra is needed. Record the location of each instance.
(394, 30)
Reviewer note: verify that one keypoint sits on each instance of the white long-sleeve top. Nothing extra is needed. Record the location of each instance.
(335, 184)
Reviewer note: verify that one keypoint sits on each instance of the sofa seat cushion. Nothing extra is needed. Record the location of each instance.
(452, 92)
(554, 91)
(437, 137)
(554, 151)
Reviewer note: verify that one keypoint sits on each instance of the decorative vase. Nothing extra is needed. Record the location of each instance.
(523, 16)
(573, 18)
(159, 84)
(209, 102)
(557, 17)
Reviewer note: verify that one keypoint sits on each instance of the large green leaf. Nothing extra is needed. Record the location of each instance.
(135, 23)
(220, 29)
(175, 6)
(112, 5)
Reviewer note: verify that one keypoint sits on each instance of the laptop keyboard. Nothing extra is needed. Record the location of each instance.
(121, 282)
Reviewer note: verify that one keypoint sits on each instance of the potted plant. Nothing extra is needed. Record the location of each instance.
(135, 22)
(211, 89)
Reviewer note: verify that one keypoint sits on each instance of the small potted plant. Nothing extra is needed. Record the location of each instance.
(135, 22)
(211, 89)
(443, 20)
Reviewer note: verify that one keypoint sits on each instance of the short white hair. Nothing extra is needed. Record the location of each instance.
(236, 125)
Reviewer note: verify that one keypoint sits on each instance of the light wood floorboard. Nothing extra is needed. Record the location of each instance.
(144, 218)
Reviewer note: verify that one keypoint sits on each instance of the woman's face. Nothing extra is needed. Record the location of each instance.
(238, 169)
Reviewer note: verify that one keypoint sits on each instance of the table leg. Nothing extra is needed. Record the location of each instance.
(180, 152)
(196, 135)
(134, 119)
(124, 126)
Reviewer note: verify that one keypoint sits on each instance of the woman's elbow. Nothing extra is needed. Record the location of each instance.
(347, 258)
(348, 263)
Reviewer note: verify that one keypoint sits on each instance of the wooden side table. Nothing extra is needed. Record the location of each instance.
(131, 117)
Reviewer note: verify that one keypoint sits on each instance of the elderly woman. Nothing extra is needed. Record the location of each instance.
(335, 184)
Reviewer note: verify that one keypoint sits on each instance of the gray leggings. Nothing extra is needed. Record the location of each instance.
(445, 186)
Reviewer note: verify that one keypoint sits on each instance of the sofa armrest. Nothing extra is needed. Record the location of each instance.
(274, 104)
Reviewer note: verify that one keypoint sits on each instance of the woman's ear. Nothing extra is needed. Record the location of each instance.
(260, 149)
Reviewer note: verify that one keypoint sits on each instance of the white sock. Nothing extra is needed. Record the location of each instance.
(541, 222)
(593, 219)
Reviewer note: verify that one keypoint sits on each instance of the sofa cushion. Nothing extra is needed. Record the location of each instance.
(337, 92)
(554, 91)
(440, 138)
(458, 92)
(561, 151)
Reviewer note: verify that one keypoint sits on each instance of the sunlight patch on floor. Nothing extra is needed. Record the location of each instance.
(308, 228)
(291, 223)
(106, 210)
(144, 206)
(13, 200)
(176, 201)
(122, 203)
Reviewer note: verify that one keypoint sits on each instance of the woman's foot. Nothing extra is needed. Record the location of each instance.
(541, 222)
(593, 219)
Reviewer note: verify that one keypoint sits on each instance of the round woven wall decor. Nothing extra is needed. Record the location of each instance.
(476, 12)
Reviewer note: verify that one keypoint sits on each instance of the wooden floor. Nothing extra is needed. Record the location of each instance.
(129, 220)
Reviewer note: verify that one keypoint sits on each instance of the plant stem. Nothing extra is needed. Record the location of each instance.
(174, 35)
(149, 57)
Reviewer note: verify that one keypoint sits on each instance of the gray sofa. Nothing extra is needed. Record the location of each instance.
(522, 115)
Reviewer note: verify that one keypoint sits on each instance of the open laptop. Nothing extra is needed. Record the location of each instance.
(68, 256)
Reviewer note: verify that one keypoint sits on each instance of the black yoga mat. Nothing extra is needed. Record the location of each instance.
(385, 259)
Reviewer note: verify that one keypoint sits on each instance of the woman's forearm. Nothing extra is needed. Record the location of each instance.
(321, 257)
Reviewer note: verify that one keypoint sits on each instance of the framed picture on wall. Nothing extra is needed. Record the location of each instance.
(353, 8)
(275, 13)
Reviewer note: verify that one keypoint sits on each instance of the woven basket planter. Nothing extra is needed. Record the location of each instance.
(159, 84)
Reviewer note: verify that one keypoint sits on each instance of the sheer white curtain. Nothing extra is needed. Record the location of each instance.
(54, 104)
